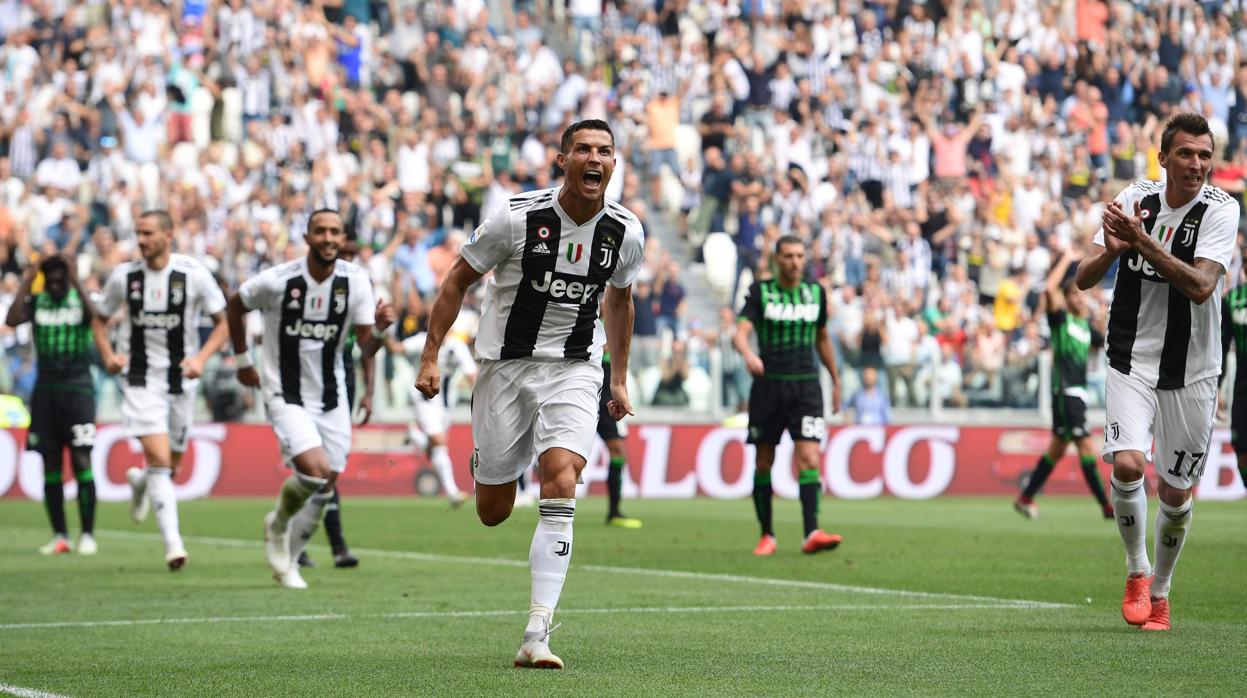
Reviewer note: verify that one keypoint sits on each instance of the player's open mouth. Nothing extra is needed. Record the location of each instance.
(592, 179)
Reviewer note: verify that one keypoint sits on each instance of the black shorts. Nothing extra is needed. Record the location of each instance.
(778, 405)
(1238, 422)
(1069, 417)
(60, 419)
(608, 428)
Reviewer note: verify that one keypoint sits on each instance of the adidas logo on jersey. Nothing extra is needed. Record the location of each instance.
(540, 248)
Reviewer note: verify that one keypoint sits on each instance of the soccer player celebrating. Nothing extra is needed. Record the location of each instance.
(1234, 331)
(790, 316)
(1174, 240)
(554, 253)
(343, 558)
(62, 407)
(306, 306)
(164, 294)
(428, 432)
(1072, 340)
(613, 432)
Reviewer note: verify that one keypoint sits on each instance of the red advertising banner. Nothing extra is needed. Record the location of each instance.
(665, 461)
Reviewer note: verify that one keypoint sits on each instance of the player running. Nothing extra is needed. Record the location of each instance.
(554, 253)
(790, 316)
(1073, 337)
(62, 407)
(1234, 331)
(164, 295)
(429, 430)
(614, 433)
(1174, 240)
(307, 305)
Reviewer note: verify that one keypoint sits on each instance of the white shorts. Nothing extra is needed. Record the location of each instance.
(431, 415)
(145, 412)
(299, 431)
(1180, 419)
(522, 408)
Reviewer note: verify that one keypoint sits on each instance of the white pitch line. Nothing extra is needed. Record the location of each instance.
(610, 569)
(509, 612)
(27, 692)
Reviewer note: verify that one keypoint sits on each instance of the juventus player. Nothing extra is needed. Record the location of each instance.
(428, 431)
(1175, 240)
(553, 252)
(164, 294)
(306, 306)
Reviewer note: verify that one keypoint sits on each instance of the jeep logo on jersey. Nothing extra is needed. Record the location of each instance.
(1144, 267)
(312, 329)
(561, 290)
(157, 321)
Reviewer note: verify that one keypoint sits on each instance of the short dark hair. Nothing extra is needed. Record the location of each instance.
(319, 211)
(1188, 122)
(585, 125)
(54, 264)
(788, 240)
(163, 219)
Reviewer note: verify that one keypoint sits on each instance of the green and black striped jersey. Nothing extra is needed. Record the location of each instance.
(1234, 329)
(786, 321)
(62, 333)
(1072, 340)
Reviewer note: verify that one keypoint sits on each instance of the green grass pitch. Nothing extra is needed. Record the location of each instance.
(944, 597)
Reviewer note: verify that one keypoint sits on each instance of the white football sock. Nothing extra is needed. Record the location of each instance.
(304, 523)
(548, 557)
(440, 457)
(1172, 524)
(165, 504)
(294, 492)
(1130, 506)
(417, 437)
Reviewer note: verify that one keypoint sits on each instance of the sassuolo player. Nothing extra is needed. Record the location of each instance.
(553, 253)
(307, 306)
(789, 315)
(1073, 338)
(62, 407)
(1173, 241)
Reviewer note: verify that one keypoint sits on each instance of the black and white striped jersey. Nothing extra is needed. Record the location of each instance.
(1154, 331)
(163, 308)
(306, 323)
(549, 274)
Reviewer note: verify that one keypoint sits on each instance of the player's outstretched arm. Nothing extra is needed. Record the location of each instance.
(822, 342)
(193, 366)
(741, 341)
(618, 312)
(372, 337)
(20, 309)
(446, 308)
(236, 321)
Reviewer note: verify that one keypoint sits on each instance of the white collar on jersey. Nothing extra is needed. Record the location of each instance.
(568, 219)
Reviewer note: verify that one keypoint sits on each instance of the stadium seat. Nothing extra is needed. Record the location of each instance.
(687, 142)
(700, 390)
(719, 251)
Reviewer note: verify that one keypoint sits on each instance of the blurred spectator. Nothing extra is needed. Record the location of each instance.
(870, 404)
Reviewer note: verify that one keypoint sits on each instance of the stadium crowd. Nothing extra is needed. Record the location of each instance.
(938, 156)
